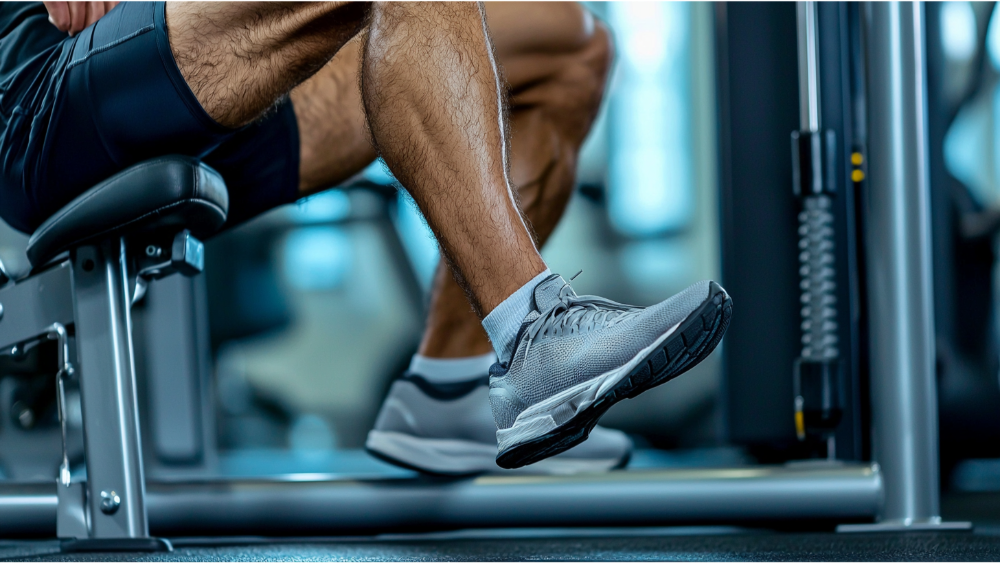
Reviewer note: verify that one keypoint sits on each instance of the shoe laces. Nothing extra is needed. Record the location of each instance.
(577, 314)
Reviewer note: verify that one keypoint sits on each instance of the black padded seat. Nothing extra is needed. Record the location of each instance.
(164, 192)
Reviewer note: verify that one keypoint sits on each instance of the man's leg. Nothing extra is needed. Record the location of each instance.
(555, 58)
(434, 106)
(431, 94)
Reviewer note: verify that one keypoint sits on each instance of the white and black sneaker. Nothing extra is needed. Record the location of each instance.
(448, 429)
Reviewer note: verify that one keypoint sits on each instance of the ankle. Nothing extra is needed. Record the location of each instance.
(461, 338)
(451, 370)
(505, 320)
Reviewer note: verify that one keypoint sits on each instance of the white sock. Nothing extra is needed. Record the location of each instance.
(503, 322)
(451, 370)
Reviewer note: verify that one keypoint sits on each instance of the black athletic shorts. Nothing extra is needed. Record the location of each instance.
(76, 110)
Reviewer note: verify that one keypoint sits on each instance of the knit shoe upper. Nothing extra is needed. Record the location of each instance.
(574, 356)
(448, 429)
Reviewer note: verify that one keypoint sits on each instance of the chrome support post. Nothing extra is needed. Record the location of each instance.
(115, 487)
(903, 394)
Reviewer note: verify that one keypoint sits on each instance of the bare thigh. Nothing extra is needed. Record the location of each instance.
(546, 55)
(240, 58)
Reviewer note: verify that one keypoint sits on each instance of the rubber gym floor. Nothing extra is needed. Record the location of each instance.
(598, 545)
(716, 543)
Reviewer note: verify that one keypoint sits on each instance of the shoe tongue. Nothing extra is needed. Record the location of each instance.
(547, 292)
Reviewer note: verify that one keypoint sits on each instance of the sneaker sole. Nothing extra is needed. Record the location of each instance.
(463, 458)
(688, 344)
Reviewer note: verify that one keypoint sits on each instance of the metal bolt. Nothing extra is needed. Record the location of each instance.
(110, 501)
(153, 251)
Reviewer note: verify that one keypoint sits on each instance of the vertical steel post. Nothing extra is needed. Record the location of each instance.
(903, 393)
(115, 485)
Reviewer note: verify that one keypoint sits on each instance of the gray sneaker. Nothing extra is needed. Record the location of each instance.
(575, 356)
(447, 429)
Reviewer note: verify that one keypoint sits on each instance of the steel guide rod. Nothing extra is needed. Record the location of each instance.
(808, 47)
(817, 379)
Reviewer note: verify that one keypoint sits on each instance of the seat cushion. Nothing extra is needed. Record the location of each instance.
(164, 192)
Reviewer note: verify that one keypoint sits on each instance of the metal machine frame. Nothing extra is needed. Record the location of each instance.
(87, 296)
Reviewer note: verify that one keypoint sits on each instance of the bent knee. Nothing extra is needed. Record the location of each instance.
(585, 50)
(580, 82)
(576, 33)
(566, 27)
(533, 28)
(598, 52)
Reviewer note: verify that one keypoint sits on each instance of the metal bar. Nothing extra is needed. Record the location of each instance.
(324, 507)
(808, 48)
(28, 509)
(107, 384)
(904, 400)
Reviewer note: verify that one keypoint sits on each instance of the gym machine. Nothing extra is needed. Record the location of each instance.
(847, 340)
(796, 389)
(92, 260)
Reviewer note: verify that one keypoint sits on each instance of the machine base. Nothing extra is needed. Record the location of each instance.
(930, 525)
(318, 505)
(116, 544)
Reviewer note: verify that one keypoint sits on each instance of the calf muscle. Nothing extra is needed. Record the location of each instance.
(435, 106)
(432, 99)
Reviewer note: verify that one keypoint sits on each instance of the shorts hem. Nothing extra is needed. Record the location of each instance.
(174, 74)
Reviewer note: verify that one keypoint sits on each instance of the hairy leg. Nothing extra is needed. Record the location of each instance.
(556, 67)
(333, 132)
(556, 59)
(436, 111)
(240, 58)
(432, 98)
